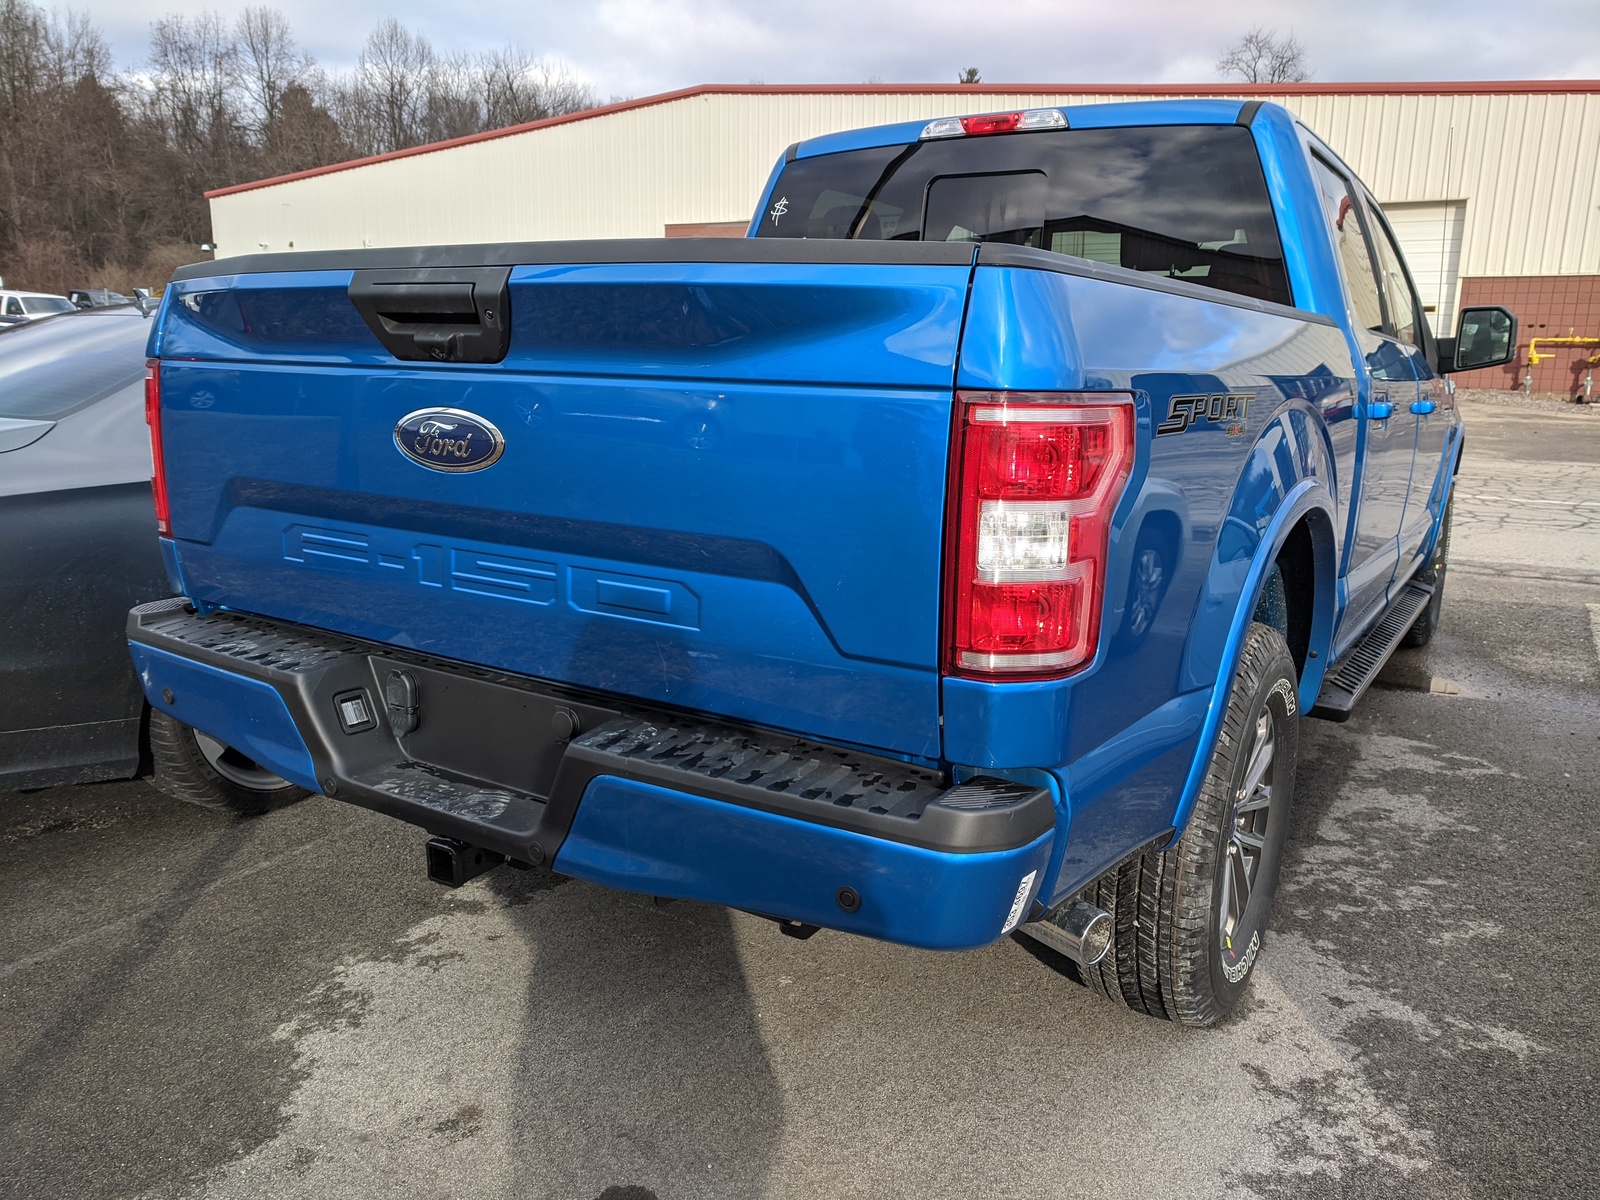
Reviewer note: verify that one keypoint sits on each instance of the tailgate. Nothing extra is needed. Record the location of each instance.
(722, 483)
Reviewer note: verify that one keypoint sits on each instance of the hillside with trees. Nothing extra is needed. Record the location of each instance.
(103, 171)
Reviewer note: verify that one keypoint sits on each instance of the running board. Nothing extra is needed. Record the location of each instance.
(1348, 679)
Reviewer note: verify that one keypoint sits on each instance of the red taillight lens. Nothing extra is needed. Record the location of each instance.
(991, 123)
(1035, 479)
(158, 466)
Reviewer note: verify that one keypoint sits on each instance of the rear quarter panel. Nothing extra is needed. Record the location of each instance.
(1123, 736)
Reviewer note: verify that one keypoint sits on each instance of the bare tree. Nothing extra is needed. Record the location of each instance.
(454, 99)
(77, 173)
(386, 102)
(102, 177)
(24, 45)
(305, 133)
(269, 63)
(518, 88)
(45, 62)
(193, 84)
(1261, 56)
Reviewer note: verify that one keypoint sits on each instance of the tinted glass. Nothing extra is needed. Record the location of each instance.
(986, 208)
(13, 307)
(1403, 305)
(49, 368)
(1186, 202)
(97, 296)
(39, 306)
(1350, 244)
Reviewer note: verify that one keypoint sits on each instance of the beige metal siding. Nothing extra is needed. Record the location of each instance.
(1527, 167)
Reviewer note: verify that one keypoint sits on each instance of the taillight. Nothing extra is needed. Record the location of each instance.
(152, 418)
(1035, 478)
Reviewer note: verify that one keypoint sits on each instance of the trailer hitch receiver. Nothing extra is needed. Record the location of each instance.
(453, 863)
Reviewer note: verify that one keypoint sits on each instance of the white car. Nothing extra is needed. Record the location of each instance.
(16, 307)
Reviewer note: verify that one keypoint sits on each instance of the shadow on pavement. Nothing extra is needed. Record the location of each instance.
(657, 995)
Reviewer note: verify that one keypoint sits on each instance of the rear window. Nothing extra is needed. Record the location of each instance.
(50, 368)
(1182, 202)
(39, 306)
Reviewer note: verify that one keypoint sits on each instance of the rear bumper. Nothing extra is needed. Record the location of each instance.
(644, 800)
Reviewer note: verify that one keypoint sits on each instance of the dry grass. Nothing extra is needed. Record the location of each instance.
(49, 264)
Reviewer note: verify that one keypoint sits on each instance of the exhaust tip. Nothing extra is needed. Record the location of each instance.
(1080, 931)
(1096, 937)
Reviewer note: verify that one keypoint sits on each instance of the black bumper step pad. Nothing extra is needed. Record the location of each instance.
(229, 635)
(1348, 679)
(830, 785)
(462, 775)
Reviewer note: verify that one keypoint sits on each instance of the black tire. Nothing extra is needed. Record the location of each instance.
(192, 767)
(1175, 952)
(1421, 633)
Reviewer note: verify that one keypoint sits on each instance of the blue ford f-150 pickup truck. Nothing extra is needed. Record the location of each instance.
(953, 555)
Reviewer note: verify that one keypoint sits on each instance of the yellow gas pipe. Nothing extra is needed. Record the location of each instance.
(1535, 358)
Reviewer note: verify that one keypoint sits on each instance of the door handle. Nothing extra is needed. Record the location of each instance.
(1380, 410)
(1423, 407)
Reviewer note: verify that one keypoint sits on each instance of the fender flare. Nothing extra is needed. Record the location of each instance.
(1310, 496)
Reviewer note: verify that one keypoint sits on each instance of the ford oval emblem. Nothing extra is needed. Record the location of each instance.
(448, 439)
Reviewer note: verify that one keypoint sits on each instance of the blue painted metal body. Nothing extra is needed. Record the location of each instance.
(739, 474)
(243, 713)
(724, 489)
(643, 838)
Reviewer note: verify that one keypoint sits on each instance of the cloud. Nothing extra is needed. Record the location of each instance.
(637, 47)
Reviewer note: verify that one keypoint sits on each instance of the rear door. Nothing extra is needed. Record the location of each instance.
(721, 484)
(1431, 410)
(1388, 426)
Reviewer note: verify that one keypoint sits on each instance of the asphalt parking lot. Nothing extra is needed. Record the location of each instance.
(283, 1007)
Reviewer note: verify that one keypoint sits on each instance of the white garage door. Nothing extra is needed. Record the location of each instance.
(1430, 238)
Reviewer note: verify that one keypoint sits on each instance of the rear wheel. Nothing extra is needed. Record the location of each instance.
(1421, 633)
(1154, 557)
(195, 767)
(1190, 919)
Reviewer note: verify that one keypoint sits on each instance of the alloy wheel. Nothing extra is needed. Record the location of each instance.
(1246, 832)
(236, 767)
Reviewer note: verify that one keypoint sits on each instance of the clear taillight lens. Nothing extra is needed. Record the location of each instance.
(1035, 480)
(158, 466)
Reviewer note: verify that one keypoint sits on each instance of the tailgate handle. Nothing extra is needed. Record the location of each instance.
(437, 314)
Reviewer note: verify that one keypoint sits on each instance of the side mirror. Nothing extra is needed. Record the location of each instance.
(146, 303)
(1485, 337)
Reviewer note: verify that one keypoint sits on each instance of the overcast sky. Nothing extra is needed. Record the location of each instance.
(638, 47)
